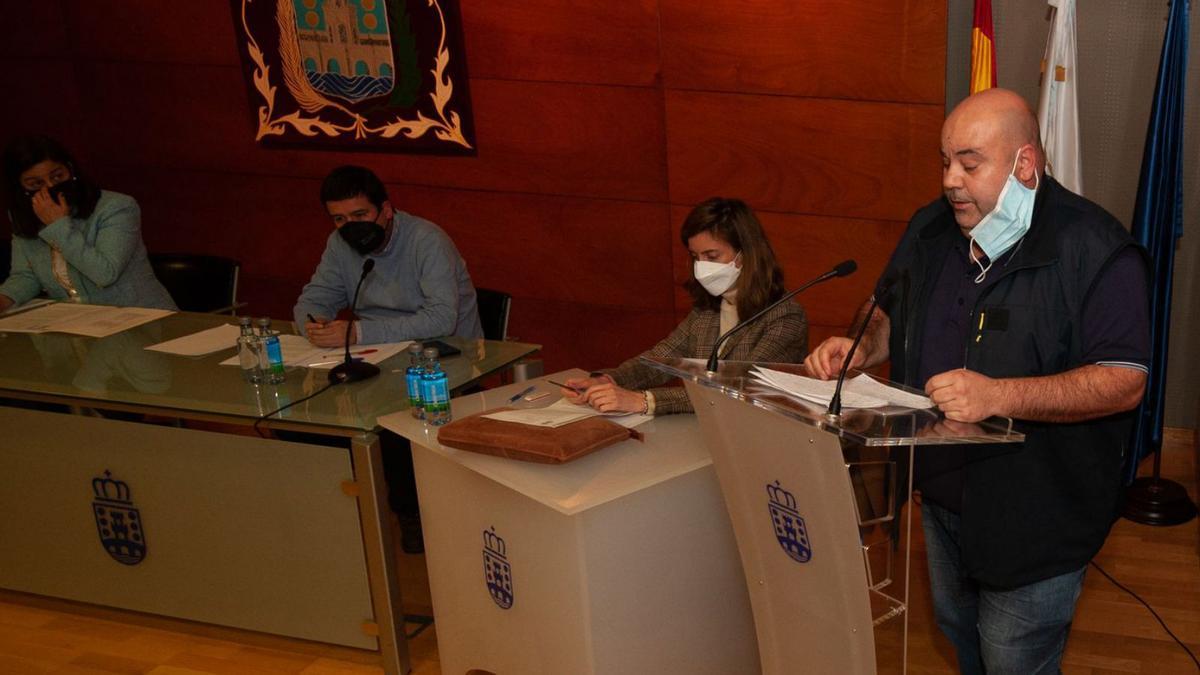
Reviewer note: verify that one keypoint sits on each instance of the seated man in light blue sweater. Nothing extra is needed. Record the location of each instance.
(419, 287)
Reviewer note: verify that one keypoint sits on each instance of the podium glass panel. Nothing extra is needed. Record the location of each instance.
(818, 506)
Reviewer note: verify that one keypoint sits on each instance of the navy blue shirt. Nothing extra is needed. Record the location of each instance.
(1114, 331)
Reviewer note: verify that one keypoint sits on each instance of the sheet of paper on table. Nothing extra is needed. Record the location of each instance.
(563, 412)
(24, 307)
(201, 343)
(298, 351)
(78, 319)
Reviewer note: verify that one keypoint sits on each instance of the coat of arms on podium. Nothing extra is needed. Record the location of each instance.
(789, 526)
(117, 521)
(496, 570)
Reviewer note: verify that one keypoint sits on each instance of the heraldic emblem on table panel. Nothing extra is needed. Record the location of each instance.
(346, 74)
(789, 526)
(118, 523)
(497, 573)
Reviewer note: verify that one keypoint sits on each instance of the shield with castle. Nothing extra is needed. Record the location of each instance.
(118, 522)
(379, 73)
(497, 572)
(789, 526)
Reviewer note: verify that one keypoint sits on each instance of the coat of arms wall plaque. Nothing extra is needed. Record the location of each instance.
(347, 74)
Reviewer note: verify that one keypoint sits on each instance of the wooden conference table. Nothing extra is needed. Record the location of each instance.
(220, 527)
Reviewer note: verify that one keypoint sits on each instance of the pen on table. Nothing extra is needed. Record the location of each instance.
(564, 386)
(517, 397)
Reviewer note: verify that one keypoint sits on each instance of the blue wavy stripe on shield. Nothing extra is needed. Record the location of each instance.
(353, 88)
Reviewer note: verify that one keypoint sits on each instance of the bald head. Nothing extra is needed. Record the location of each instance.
(986, 138)
(998, 115)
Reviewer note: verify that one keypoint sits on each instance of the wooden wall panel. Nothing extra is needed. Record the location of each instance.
(534, 137)
(823, 116)
(593, 41)
(574, 335)
(878, 51)
(33, 29)
(555, 248)
(817, 156)
(150, 31)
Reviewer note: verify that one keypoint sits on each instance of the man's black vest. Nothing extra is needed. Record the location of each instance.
(1044, 507)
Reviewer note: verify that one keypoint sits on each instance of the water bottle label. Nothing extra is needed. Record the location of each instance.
(436, 395)
(275, 354)
(413, 382)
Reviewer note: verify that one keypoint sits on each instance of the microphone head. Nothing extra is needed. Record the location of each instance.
(844, 268)
(368, 265)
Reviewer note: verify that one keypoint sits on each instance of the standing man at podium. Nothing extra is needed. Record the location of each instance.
(1012, 296)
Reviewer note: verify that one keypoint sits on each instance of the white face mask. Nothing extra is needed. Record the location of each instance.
(716, 278)
(1006, 223)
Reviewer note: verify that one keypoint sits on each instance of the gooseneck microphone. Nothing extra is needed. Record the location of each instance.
(835, 403)
(351, 370)
(839, 270)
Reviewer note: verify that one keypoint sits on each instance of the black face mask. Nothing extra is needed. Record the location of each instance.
(69, 188)
(363, 236)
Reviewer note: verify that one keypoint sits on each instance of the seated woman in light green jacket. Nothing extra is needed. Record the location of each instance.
(72, 240)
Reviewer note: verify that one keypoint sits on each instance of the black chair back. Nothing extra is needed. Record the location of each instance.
(493, 312)
(198, 283)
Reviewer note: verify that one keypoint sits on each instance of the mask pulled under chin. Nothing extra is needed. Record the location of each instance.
(363, 236)
(1006, 223)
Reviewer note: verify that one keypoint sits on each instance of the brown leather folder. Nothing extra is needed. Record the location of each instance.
(532, 444)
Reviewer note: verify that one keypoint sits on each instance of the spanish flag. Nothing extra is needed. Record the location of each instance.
(983, 48)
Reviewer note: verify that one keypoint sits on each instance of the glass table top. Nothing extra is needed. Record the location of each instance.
(118, 370)
(891, 425)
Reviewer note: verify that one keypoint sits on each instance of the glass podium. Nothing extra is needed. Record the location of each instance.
(818, 512)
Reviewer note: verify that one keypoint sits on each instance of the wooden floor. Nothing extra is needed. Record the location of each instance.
(1112, 632)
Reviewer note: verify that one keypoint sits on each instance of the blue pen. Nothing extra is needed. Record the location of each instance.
(527, 390)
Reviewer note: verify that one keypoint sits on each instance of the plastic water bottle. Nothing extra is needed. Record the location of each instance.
(249, 349)
(412, 379)
(435, 389)
(272, 353)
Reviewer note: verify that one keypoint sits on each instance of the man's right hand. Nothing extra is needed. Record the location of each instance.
(825, 362)
(5, 302)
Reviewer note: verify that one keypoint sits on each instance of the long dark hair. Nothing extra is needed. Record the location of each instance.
(27, 151)
(730, 220)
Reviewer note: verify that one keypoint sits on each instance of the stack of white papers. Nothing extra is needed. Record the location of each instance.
(858, 392)
(69, 317)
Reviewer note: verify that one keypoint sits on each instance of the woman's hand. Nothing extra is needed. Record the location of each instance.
(579, 386)
(47, 209)
(603, 394)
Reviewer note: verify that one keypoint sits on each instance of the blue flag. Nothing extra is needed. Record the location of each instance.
(1158, 222)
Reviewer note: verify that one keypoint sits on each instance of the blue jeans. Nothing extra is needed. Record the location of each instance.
(1022, 630)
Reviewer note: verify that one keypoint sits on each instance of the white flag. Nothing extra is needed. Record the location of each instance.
(1058, 111)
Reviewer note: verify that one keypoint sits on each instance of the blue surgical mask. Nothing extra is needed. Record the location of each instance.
(1006, 223)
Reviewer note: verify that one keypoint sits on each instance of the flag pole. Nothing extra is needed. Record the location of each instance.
(1157, 224)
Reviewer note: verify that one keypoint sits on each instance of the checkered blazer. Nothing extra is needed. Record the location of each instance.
(781, 337)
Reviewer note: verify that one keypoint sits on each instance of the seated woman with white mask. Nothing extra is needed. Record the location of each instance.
(734, 276)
